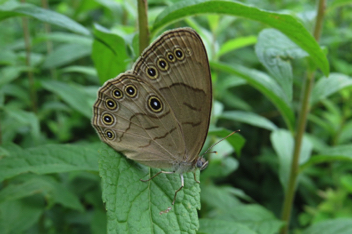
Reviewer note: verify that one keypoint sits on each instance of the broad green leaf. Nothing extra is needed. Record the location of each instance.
(48, 187)
(64, 38)
(13, 9)
(10, 73)
(78, 97)
(66, 54)
(19, 215)
(345, 135)
(228, 208)
(249, 118)
(52, 158)
(275, 51)
(340, 226)
(218, 197)
(223, 227)
(7, 56)
(283, 144)
(133, 206)
(331, 154)
(337, 3)
(27, 119)
(236, 43)
(223, 93)
(219, 168)
(285, 23)
(264, 84)
(98, 224)
(109, 54)
(327, 86)
(85, 70)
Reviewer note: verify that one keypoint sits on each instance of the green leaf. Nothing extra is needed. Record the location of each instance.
(249, 118)
(219, 168)
(327, 86)
(222, 226)
(340, 226)
(228, 208)
(283, 144)
(19, 215)
(46, 159)
(51, 189)
(331, 154)
(66, 54)
(25, 118)
(85, 70)
(235, 44)
(264, 84)
(10, 73)
(285, 23)
(13, 9)
(275, 51)
(346, 133)
(98, 224)
(109, 54)
(133, 206)
(78, 97)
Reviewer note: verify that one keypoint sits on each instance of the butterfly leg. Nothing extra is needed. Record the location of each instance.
(182, 185)
(164, 172)
(195, 178)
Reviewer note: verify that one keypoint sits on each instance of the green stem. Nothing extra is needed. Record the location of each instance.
(301, 127)
(49, 44)
(30, 75)
(143, 25)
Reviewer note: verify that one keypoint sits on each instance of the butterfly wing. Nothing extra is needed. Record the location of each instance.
(134, 118)
(176, 65)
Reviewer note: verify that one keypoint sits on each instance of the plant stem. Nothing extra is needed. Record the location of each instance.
(49, 44)
(27, 43)
(143, 25)
(301, 127)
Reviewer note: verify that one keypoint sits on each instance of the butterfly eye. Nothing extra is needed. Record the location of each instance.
(163, 65)
(110, 134)
(201, 163)
(117, 93)
(155, 104)
(131, 91)
(179, 54)
(152, 72)
(110, 104)
(170, 57)
(108, 119)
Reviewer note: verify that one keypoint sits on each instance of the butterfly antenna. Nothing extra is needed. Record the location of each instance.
(219, 142)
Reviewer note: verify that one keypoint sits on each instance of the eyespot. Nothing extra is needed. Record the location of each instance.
(152, 72)
(110, 104)
(109, 134)
(162, 64)
(131, 91)
(179, 54)
(170, 57)
(116, 93)
(155, 104)
(108, 119)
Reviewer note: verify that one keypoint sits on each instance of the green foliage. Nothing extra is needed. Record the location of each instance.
(57, 177)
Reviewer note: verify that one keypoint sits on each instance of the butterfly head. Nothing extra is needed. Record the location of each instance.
(201, 163)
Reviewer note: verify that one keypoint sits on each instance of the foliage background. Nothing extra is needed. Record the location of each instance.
(56, 175)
